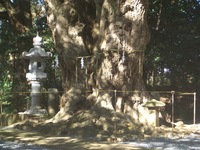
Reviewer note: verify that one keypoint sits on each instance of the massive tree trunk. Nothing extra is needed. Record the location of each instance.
(100, 44)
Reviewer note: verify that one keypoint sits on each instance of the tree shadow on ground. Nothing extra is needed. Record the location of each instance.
(59, 142)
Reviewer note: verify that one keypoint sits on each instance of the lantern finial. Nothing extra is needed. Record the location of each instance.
(37, 41)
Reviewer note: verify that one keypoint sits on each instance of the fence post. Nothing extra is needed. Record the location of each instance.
(173, 92)
(194, 108)
(1, 116)
(1, 103)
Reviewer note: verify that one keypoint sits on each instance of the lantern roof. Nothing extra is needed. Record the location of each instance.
(37, 51)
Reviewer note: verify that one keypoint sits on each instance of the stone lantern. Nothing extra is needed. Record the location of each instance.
(36, 74)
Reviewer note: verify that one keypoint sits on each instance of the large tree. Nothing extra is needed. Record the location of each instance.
(100, 44)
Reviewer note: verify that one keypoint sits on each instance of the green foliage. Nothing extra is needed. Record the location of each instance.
(5, 89)
(5, 80)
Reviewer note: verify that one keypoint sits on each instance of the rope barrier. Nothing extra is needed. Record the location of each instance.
(117, 50)
(173, 93)
(42, 92)
(89, 56)
(101, 90)
(182, 93)
(137, 91)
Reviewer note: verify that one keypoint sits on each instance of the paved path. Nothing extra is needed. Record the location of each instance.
(191, 142)
(41, 142)
(6, 145)
(187, 143)
(44, 142)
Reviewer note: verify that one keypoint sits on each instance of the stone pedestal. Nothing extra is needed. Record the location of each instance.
(35, 95)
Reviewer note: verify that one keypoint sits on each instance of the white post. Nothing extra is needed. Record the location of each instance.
(194, 117)
(115, 126)
(173, 92)
(1, 103)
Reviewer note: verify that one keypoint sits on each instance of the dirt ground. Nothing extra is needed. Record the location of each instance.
(85, 132)
(65, 142)
(60, 142)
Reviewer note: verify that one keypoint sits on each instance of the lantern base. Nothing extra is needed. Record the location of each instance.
(35, 112)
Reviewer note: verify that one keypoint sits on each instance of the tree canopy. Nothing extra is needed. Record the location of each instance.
(175, 40)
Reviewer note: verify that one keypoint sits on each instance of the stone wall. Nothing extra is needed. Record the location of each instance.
(8, 119)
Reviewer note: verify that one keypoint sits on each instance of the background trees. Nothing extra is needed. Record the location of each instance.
(174, 47)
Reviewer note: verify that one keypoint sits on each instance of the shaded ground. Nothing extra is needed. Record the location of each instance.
(51, 141)
(60, 142)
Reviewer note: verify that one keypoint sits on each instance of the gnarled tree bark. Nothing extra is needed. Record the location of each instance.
(109, 38)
